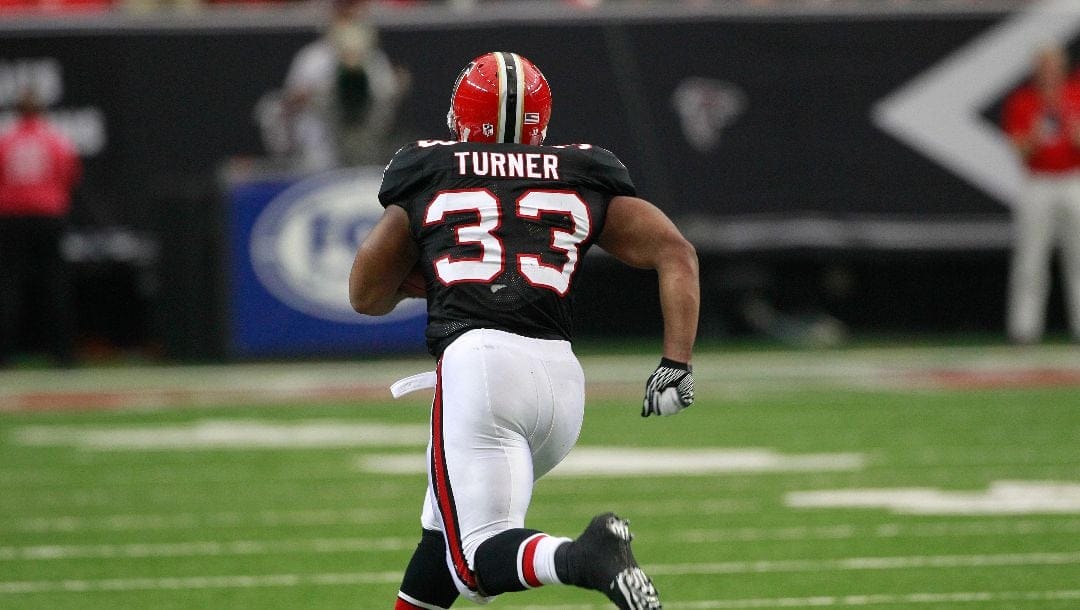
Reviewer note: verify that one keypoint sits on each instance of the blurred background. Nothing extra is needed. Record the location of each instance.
(838, 164)
(192, 416)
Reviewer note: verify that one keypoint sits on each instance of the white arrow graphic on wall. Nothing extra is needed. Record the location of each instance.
(938, 112)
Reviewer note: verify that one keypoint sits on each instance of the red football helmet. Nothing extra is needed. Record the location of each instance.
(500, 97)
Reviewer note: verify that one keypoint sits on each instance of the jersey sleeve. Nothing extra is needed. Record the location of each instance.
(402, 177)
(609, 174)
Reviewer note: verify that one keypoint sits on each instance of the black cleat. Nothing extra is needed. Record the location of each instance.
(600, 559)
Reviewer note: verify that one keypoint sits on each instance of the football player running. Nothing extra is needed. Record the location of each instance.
(492, 228)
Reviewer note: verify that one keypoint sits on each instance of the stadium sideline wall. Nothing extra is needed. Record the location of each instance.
(776, 138)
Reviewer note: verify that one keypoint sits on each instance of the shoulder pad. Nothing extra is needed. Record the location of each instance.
(406, 170)
(601, 167)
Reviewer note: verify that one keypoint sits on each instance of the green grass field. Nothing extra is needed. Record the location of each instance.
(889, 477)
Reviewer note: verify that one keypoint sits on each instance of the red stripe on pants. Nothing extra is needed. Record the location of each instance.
(444, 495)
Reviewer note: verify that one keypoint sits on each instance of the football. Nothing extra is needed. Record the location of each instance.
(414, 285)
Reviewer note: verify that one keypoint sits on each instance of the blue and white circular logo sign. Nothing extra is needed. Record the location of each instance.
(304, 241)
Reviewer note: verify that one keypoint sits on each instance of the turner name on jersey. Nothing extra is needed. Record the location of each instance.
(536, 166)
(503, 229)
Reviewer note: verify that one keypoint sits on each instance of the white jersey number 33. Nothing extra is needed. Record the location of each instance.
(491, 261)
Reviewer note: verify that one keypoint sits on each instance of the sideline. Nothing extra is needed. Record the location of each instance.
(727, 373)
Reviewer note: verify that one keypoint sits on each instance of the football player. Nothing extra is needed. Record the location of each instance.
(492, 227)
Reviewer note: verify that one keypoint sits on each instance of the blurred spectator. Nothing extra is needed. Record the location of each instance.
(341, 94)
(54, 6)
(38, 170)
(1042, 119)
(151, 6)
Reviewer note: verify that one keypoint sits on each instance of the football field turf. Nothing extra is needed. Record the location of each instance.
(878, 477)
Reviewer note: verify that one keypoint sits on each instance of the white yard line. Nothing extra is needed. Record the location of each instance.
(949, 529)
(216, 434)
(874, 599)
(734, 567)
(321, 517)
(204, 548)
(392, 544)
(867, 563)
(186, 520)
(198, 582)
(585, 461)
(1000, 498)
(906, 599)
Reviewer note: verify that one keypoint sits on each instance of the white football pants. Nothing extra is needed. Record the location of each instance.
(507, 410)
(1047, 213)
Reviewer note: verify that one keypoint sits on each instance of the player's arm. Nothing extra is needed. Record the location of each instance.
(383, 261)
(639, 234)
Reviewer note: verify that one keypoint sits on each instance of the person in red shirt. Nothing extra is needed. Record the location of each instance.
(39, 168)
(1042, 120)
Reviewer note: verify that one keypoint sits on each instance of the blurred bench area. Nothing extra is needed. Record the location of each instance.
(837, 163)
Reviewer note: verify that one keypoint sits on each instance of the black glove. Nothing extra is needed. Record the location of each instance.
(670, 389)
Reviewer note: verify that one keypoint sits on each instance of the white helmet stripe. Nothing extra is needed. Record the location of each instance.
(500, 124)
(511, 97)
(519, 107)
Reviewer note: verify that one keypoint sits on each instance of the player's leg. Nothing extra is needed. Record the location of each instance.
(600, 558)
(1029, 277)
(58, 326)
(427, 583)
(547, 387)
(481, 465)
(1070, 255)
(14, 265)
(515, 406)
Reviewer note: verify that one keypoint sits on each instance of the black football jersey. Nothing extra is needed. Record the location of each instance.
(502, 230)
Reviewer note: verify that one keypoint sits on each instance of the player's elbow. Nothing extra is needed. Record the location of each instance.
(359, 300)
(360, 303)
(689, 253)
(681, 255)
(370, 306)
(367, 300)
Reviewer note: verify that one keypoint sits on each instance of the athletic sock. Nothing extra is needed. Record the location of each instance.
(545, 565)
(427, 583)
